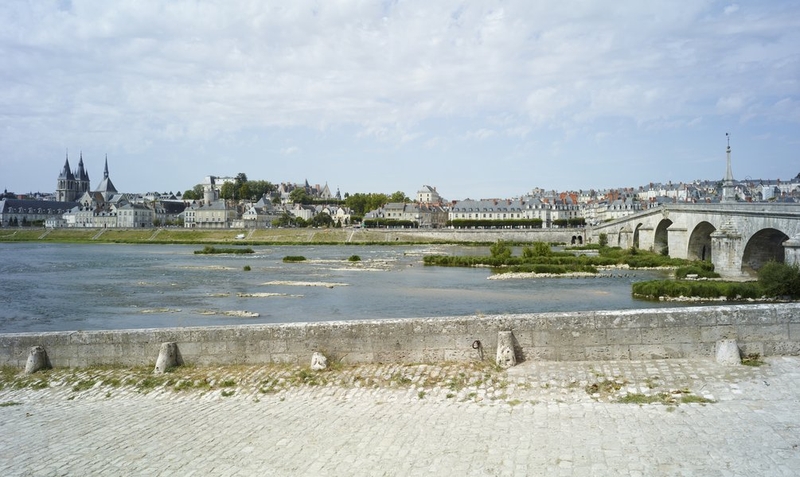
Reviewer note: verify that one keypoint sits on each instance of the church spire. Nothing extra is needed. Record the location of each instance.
(728, 186)
(105, 171)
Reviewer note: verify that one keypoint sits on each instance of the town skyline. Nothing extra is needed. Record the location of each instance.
(482, 99)
(85, 166)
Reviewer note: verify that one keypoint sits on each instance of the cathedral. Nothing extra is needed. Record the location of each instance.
(72, 185)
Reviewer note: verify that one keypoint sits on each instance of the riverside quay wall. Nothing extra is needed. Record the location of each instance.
(690, 332)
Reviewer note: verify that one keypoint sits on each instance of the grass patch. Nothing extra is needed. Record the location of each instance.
(654, 289)
(294, 258)
(10, 403)
(83, 385)
(666, 398)
(604, 387)
(753, 359)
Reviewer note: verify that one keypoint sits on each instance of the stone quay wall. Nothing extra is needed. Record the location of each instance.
(690, 332)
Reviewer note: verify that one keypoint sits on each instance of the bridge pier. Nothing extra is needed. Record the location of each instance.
(792, 248)
(726, 251)
(677, 242)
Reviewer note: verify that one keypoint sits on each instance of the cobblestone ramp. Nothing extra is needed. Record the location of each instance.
(562, 419)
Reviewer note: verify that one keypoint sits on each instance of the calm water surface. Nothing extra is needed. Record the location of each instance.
(57, 287)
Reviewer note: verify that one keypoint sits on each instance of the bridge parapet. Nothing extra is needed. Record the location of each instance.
(738, 237)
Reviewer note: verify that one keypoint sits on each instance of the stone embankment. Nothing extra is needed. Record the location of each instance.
(690, 332)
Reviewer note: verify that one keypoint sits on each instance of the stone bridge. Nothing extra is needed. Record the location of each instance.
(737, 237)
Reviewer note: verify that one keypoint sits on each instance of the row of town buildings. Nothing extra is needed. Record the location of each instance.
(75, 204)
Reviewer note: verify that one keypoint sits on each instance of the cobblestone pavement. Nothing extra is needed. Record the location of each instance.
(640, 418)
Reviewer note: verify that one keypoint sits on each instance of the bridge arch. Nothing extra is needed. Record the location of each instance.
(763, 246)
(700, 242)
(661, 239)
(635, 242)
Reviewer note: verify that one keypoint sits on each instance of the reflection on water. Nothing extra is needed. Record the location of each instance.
(48, 287)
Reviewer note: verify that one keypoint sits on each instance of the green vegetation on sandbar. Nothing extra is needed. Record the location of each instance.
(540, 258)
(210, 250)
(293, 258)
(775, 281)
(697, 289)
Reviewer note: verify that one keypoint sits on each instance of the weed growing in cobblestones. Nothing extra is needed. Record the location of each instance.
(228, 383)
(149, 383)
(651, 382)
(667, 398)
(421, 394)
(83, 385)
(753, 359)
(308, 377)
(40, 384)
(228, 393)
(691, 398)
(399, 379)
(10, 403)
(606, 386)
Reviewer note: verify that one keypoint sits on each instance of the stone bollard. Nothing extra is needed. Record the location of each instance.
(505, 350)
(37, 359)
(728, 353)
(168, 357)
(318, 361)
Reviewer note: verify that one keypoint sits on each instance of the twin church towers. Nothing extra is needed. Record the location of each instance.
(72, 185)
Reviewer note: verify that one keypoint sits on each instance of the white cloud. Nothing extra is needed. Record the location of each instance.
(135, 75)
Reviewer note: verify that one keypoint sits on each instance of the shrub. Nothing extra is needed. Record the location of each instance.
(712, 290)
(246, 268)
(779, 279)
(539, 249)
(500, 250)
(354, 258)
(701, 271)
(294, 258)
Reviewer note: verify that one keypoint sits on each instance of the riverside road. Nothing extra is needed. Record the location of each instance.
(539, 418)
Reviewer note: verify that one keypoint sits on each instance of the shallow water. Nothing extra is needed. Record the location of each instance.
(57, 287)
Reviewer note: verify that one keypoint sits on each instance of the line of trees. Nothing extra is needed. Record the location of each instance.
(500, 224)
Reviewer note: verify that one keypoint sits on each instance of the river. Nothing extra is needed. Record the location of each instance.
(63, 287)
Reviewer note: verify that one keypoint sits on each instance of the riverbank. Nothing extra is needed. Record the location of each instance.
(288, 236)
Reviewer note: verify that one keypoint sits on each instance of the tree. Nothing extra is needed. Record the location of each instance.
(227, 191)
(244, 191)
(399, 196)
(299, 196)
(285, 220)
(190, 195)
(321, 220)
(500, 249)
(360, 203)
(259, 189)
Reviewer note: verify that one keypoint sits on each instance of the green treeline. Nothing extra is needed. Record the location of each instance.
(495, 224)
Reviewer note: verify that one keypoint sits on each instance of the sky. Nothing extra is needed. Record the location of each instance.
(479, 99)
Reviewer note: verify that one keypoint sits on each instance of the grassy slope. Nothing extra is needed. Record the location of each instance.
(194, 236)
